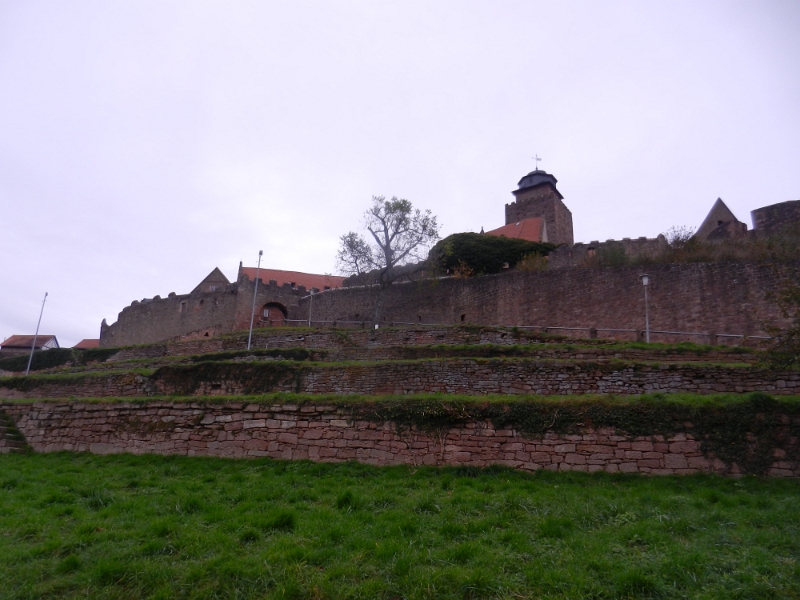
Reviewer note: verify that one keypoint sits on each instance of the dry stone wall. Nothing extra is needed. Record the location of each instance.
(391, 343)
(457, 376)
(327, 433)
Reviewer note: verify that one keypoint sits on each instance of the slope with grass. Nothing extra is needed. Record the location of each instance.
(78, 525)
(82, 526)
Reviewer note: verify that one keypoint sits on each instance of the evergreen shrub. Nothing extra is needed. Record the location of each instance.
(482, 254)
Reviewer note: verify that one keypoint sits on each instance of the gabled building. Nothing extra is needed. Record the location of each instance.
(22, 344)
(293, 278)
(87, 344)
(531, 230)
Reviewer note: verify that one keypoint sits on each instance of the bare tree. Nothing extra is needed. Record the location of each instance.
(398, 235)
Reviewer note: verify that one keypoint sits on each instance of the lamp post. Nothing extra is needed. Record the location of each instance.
(645, 282)
(255, 293)
(310, 304)
(35, 335)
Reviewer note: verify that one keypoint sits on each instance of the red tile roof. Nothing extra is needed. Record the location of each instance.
(87, 343)
(25, 341)
(528, 229)
(309, 280)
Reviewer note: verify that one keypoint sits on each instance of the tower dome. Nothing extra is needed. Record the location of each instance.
(535, 178)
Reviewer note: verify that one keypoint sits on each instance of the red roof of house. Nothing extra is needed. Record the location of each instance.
(309, 280)
(527, 229)
(25, 341)
(87, 343)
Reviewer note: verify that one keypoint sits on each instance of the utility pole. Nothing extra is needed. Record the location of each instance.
(255, 293)
(33, 346)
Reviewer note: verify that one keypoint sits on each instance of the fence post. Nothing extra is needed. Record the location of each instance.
(592, 333)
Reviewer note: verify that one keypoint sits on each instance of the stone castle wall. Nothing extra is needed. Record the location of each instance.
(327, 433)
(775, 218)
(723, 297)
(156, 319)
(467, 376)
(199, 314)
(582, 255)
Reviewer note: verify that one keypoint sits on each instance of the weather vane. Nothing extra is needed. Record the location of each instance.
(538, 160)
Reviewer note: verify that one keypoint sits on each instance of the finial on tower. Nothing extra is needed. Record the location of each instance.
(537, 161)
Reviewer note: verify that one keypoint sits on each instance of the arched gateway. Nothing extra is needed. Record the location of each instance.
(273, 314)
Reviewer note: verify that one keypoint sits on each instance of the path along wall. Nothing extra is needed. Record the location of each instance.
(332, 434)
(458, 376)
(722, 297)
(395, 343)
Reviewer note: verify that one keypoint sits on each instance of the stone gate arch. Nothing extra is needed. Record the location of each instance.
(272, 314)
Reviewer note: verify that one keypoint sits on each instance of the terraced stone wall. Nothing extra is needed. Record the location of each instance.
(457, 376)
(327, 433)
(334, 339)
(350, 343)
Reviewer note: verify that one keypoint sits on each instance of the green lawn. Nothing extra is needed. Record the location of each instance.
(83, 526)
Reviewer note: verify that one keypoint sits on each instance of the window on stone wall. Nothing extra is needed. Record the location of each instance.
(184, 305)
(266, 313)
(463, 317)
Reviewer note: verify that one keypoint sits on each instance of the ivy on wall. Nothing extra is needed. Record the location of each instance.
(744, 431)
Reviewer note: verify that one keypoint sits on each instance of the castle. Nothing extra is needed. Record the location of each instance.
(726, 298)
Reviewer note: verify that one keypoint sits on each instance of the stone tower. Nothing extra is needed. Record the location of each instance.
(537, 196)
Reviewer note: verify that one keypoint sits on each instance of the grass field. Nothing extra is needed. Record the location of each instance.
(83, 526)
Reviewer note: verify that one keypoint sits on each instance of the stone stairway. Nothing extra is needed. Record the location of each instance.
(11, 440)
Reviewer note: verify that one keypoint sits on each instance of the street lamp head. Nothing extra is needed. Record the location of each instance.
(260, 252)
(645, 279)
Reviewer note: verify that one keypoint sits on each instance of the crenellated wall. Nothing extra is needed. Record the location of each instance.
(199, 314)
(721, 297)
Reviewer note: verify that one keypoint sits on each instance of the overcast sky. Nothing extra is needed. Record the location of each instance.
(144, 143)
